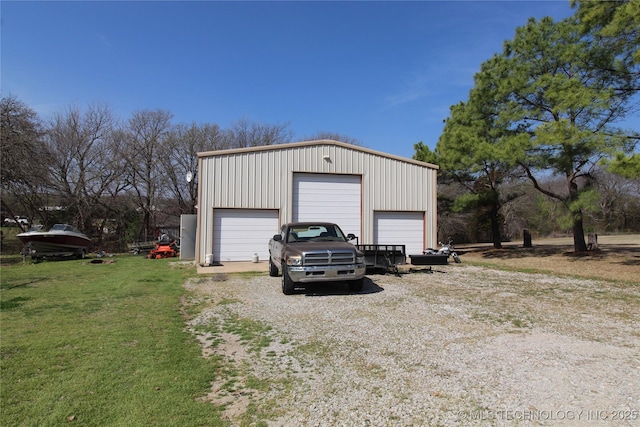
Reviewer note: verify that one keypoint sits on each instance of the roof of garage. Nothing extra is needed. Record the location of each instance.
(313, 143)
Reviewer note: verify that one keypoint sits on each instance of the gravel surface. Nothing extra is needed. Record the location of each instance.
(461, 345)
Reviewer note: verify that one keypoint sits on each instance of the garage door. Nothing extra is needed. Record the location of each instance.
(331, 198)
(238, 234)
(400, 228)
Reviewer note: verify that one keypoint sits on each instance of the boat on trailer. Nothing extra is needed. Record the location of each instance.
(60, 240)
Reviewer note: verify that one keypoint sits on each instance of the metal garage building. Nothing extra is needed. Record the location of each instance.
(246, 194)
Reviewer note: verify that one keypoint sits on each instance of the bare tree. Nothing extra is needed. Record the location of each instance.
(245, 133)
(619, 203)
(181, 161)
(145, 145)
(82, 164)
(332, 136)
(23, 178)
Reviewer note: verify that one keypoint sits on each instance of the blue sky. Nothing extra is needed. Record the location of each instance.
(382, 72)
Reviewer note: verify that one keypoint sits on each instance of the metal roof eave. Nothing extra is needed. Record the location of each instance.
(289, 145)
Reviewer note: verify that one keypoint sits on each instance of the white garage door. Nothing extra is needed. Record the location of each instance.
(400, 228)
(330, 198)
(238, 234)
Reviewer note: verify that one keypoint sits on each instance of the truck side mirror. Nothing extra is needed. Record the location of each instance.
(277, 238)
(351, 236)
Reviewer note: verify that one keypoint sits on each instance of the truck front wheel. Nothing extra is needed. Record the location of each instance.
(287, 283)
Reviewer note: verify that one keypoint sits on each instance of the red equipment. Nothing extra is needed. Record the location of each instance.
(164, 250)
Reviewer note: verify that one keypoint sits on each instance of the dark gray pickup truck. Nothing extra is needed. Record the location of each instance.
(309, 252)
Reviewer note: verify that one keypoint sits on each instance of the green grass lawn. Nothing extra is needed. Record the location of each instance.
(99, 344)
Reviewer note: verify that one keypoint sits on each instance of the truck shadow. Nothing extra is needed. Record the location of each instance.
(327, 289)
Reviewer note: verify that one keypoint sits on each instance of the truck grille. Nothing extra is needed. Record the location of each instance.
(329, 258)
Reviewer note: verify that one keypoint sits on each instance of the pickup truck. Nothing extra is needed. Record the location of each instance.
(310, 252)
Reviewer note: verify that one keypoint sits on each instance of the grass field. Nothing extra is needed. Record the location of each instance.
(106, 344)
(100, 344)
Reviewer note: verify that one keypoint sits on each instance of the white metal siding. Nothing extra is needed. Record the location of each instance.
(238, 234)
(263, 178)
(400, 228)
(325, 197)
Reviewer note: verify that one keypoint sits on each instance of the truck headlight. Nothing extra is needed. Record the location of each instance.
(360, 259)
(295, 260)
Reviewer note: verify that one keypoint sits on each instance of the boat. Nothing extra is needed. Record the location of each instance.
(60, 240)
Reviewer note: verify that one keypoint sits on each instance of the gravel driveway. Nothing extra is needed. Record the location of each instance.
(461, 345)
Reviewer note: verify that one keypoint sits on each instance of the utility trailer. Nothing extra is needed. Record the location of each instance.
(384, 257)
(39, 256)
(139, 247)
(428, 259)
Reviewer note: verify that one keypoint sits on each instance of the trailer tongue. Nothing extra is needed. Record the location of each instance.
(383, 257)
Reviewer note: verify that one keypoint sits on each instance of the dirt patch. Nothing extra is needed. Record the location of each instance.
(617, 257)
(232, 394)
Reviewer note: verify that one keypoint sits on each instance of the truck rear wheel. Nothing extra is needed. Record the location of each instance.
(273, 270)
(287, 283)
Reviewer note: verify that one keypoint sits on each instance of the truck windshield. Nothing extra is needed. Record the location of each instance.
(315, 233)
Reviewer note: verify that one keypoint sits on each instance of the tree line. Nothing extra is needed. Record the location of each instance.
(119, 181)
(544, 115)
